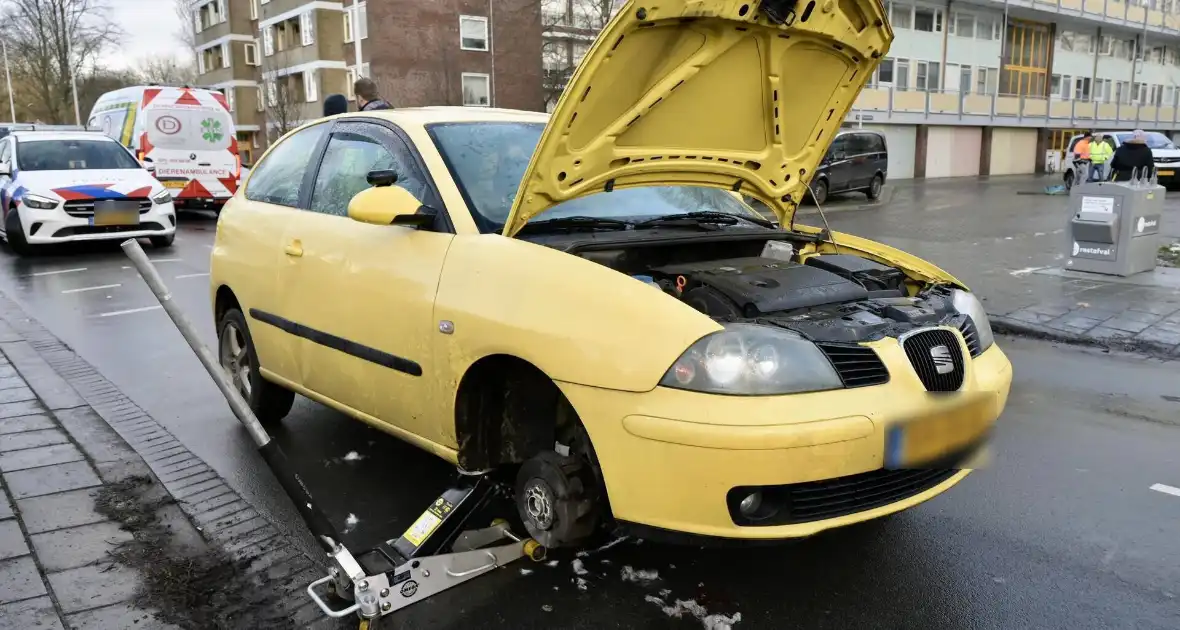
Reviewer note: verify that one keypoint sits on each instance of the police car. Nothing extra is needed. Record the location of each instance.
(58, 187)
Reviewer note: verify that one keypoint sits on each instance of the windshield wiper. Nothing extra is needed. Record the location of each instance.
(700, 218)
(577, 223)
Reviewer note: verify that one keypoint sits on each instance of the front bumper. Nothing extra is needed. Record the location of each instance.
(44, 227)
(672, 459)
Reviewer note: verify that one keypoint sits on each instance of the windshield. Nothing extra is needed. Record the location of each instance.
(73, 155)
(1155, 140)
(488, 161)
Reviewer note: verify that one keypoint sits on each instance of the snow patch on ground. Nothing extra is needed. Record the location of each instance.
(552, 563)
(631, 575)
(579, 568)
(586, 554)
(682, 606)
(526, 571)
(353, 456)
(350, 523)
(581, 582)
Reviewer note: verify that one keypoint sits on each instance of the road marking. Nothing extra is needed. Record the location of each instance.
(59, 271)
(1025, 271)
(129, 311)
(105, 286)
(191, 275)
(1159, 487)
(164, 260)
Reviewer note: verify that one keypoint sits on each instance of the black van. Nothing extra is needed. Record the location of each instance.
(857, 161)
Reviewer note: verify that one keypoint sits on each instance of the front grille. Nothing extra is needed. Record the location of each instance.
(857, 366)
(85, 207)
(79, 230)
(1167, 160)
(937, 357)
(971, 336)
(832, 498)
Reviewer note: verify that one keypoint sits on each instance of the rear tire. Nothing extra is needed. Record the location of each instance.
(162, 242)
(15, 233)
(819, 192)
(873, 192)
(235, 352)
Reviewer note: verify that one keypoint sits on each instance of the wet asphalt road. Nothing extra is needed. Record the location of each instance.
(1062, 531)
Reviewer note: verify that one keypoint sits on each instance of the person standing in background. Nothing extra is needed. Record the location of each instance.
(367, 97)
(335, 104)
(1081, 150)
(1133, 157)
(1100, 153)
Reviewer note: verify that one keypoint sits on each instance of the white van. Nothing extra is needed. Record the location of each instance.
(188, 134)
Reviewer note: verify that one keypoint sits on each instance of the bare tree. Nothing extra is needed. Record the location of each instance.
(187, 32)
(568, 27)
(166, 71)
(48, 42)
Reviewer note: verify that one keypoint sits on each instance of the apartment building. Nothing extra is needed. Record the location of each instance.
(991, 87)
(276, 60)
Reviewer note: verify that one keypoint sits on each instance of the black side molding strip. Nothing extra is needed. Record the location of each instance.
(346, 346)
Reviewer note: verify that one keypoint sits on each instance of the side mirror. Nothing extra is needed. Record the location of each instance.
(390, 205)
(149, 165)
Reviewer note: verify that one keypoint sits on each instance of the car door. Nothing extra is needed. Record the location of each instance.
(248, 255)
(838, 165)
(858, 152)
(362, 295)
(6, 178)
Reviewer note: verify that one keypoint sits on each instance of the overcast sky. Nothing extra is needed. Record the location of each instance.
(150, 26)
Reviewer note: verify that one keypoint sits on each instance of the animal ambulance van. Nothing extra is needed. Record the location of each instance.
(186, 134)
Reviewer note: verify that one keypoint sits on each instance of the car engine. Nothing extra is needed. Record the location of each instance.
(830, 297)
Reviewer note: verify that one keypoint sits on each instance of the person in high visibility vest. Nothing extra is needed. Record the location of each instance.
(1100, 153)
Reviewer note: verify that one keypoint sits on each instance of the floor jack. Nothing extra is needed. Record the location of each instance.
(438, 551)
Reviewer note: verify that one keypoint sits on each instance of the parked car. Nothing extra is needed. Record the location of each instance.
(583, 306)
(188, 133)
(1167, 158)
(78, 186)
(857, 161)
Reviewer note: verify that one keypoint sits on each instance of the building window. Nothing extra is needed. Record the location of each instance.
(230, 101)
(477, 89)
(261, 103)
(362, 22)
(253, 9)
(307, 27)
(885, 72)
(985, 80)
(902, 74)
(268, 41)
(926, 76)
(987, 27)
(473, 32)
(901, 16)
(252, 55)
(225, 56)
(965, 79)
(928, 20)
(1081, 89)
(1106, 45)
(310, 88)
(963, 25)
(272, 93)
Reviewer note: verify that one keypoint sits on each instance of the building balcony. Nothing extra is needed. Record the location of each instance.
(1104, 13)
(899, 106)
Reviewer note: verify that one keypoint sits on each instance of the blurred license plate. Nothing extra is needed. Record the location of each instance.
(913, 443)
(115, 212)
(1165, 172)
(174, 184)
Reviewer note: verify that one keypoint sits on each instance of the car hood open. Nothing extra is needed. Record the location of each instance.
(733, 94)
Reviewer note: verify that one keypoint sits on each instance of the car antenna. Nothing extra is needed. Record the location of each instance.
(827, 228)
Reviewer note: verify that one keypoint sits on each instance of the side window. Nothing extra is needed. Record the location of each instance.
(860, 144)
(838, 148)
(355, 150)
(878, 143)
(277, 178)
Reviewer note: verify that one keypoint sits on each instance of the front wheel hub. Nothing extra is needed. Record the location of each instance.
(538, 501)
(558, 499)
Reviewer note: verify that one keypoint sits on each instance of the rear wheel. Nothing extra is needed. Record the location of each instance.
(874, 190)
(15, 233)
(819, 192)
(269, 402)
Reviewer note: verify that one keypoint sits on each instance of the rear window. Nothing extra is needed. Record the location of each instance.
(189, 128)
(73, 155)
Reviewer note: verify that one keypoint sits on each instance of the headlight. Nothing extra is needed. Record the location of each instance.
(162, 197)
(39, 202)
(967, 304)
(751, 360)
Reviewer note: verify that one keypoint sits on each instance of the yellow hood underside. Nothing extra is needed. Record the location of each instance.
(711, 93)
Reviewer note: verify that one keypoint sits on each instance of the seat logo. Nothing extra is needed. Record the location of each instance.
(943, 364)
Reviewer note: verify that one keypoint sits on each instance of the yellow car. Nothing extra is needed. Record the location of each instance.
(583, 301)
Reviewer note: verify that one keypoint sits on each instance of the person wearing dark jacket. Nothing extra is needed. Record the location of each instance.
(335, 104)
(367, 98)
(1133, 156)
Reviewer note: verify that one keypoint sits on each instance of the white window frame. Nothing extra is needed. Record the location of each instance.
(272, 93)
(487, 78)
(261, 104)
(348, 35)
(268, 41)
(226, 59)
(350, 89)
(362, 26)
(307, 27)
(201, 62)
(253, 9)
(252, 58)
(222, 12)
(230, 99)
(938, 21)
(486, 32)
(263, 1)
(310, 88)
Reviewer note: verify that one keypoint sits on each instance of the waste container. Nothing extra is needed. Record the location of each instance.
(1114, 227)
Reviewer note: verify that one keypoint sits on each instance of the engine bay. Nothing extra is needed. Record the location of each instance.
(824, 297)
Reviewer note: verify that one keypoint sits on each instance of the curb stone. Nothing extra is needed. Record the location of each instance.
(130, 444)
(1008, 326)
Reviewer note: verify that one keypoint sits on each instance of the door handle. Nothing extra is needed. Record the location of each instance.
(294, 249)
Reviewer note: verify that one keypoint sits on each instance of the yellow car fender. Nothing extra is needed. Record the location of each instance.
(575, 320)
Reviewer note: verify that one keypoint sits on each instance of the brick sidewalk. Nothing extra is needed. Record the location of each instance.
(91, 483)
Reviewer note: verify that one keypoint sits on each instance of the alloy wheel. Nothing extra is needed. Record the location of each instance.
(235, 357)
